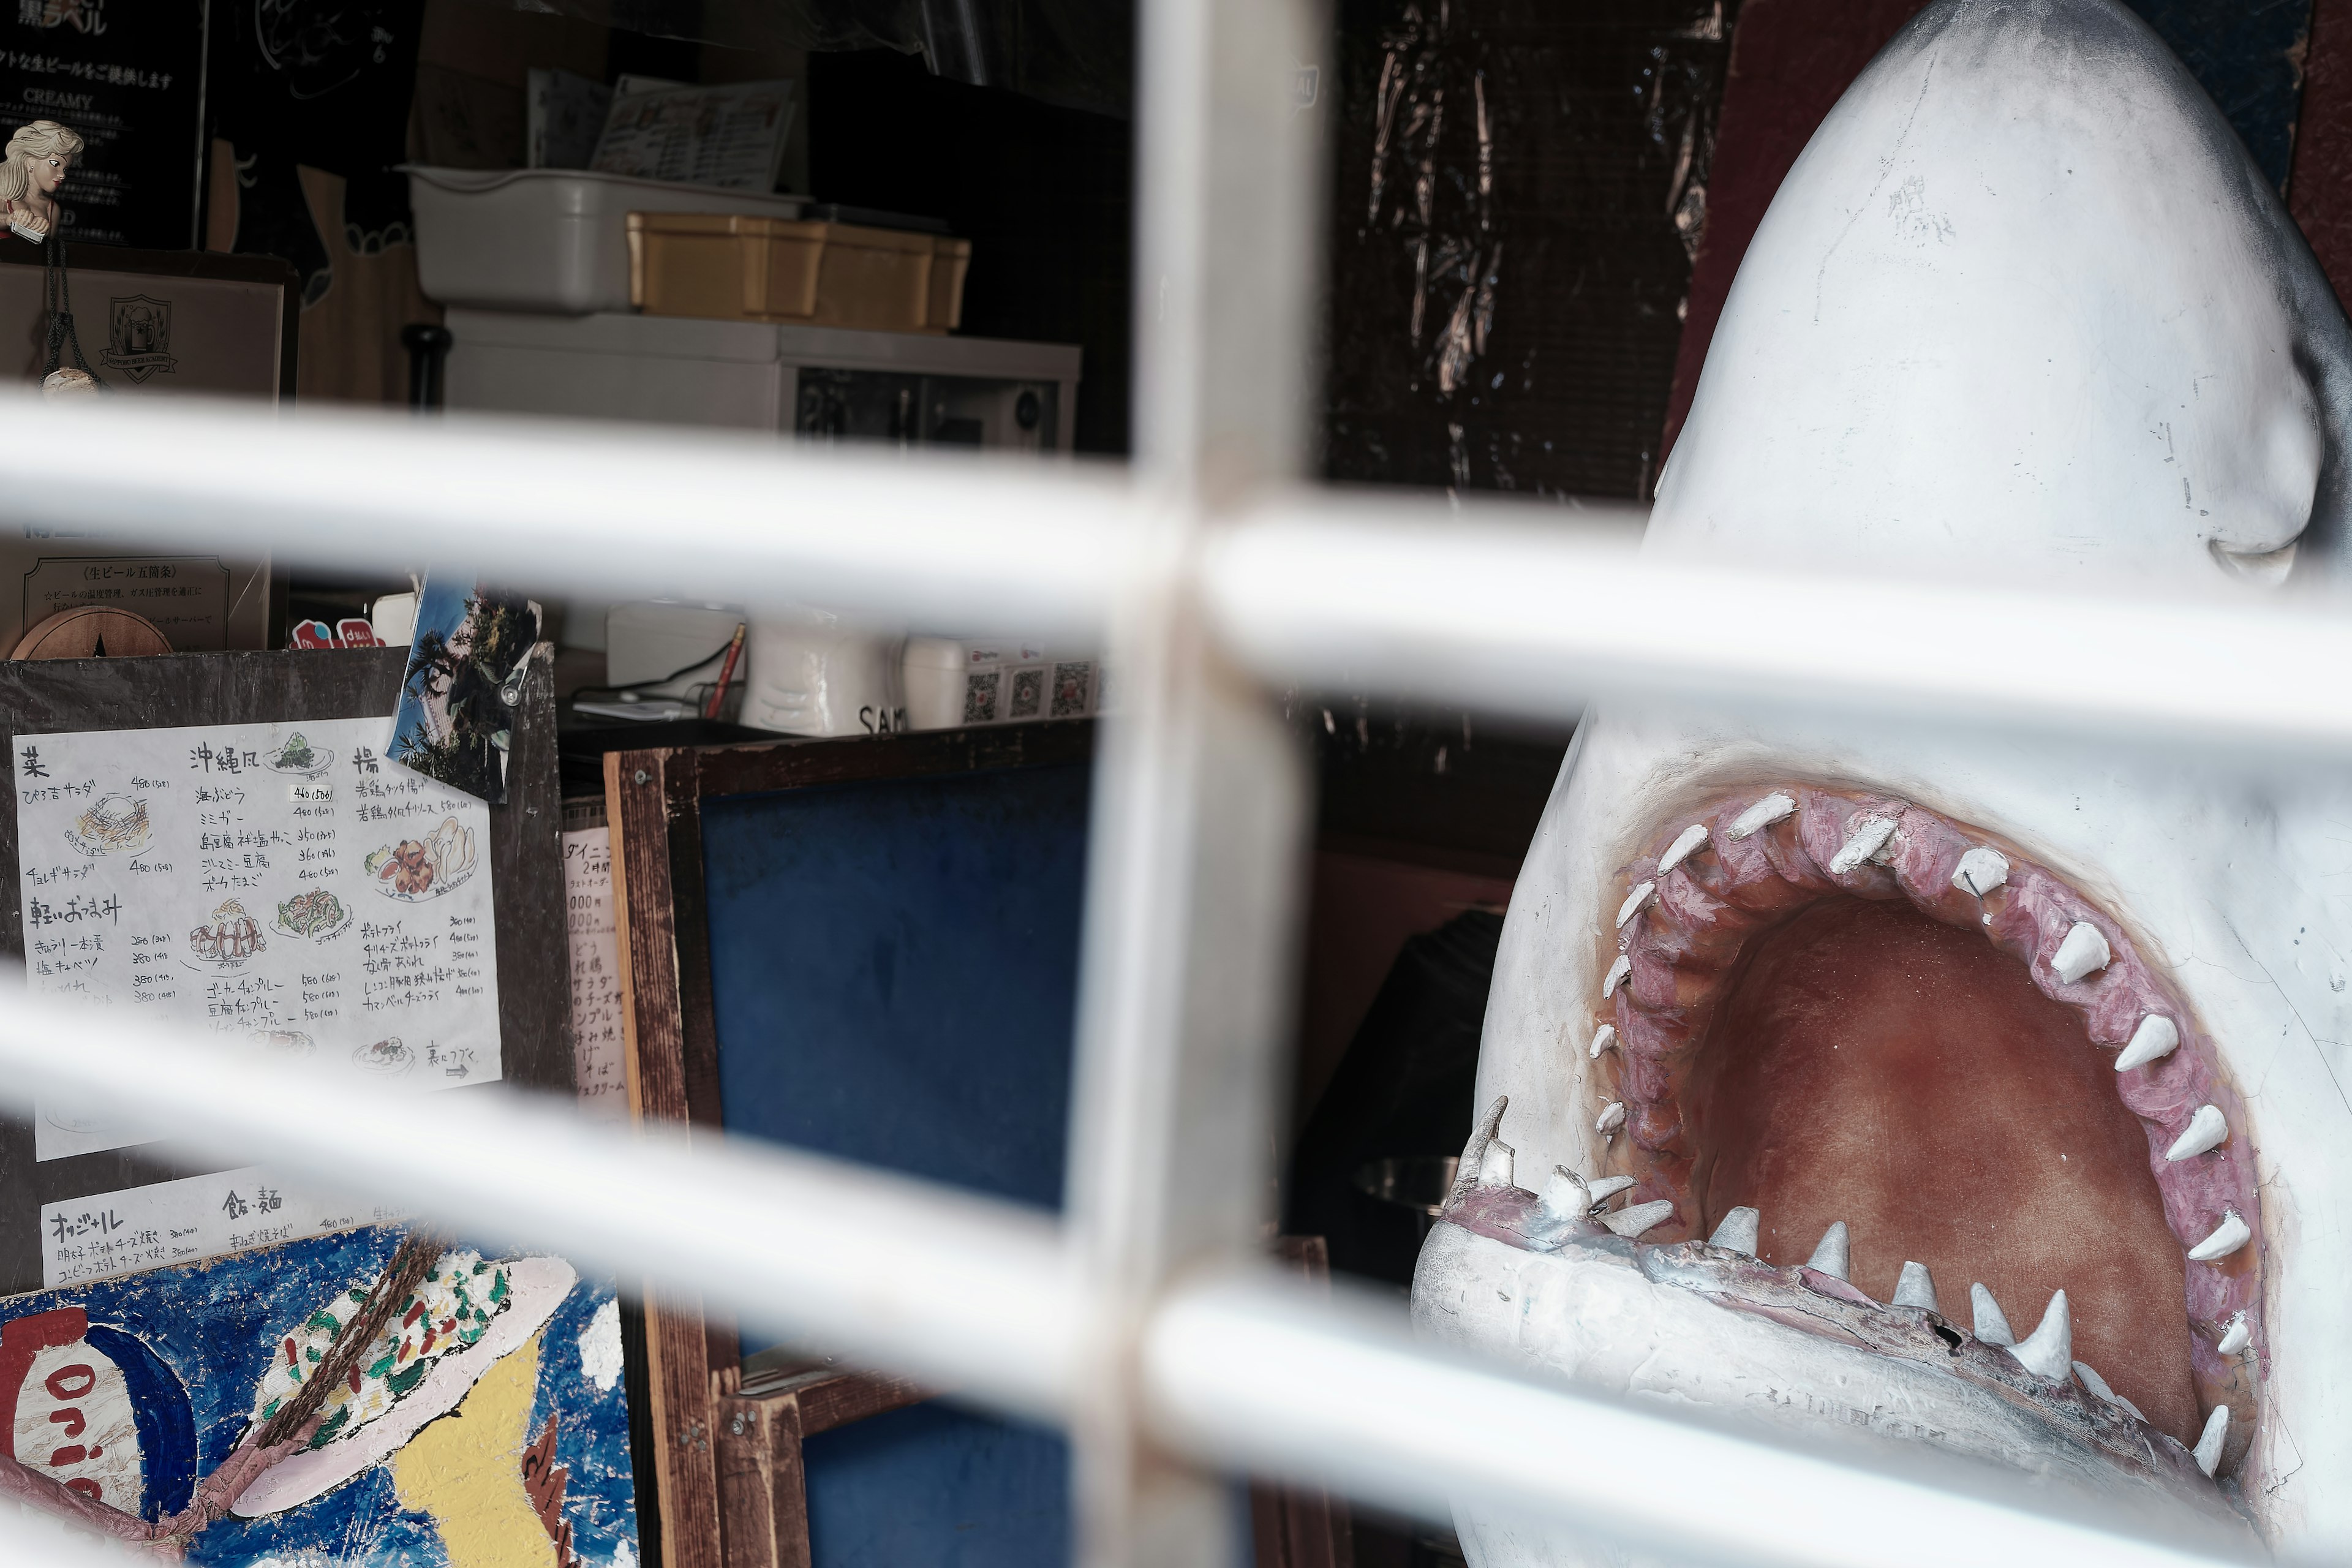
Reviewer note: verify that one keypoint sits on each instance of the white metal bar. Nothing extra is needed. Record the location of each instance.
(1251, 1373)
(1192, 859)
(1498, 606)
(1512, 608)
(608, 510)
(937, 1283)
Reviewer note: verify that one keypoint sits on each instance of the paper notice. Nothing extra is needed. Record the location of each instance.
(730, 136)
(279, 885)
(186, 1221)
(595, 937)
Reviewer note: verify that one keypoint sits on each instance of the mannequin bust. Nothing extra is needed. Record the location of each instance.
(34, 164)
(813, 673)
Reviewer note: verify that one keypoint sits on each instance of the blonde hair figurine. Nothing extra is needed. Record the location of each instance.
(31, 170)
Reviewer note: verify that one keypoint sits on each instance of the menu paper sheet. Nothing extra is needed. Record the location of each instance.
(594, 939)
(280, 886)
(732, 136)
(110, 1233)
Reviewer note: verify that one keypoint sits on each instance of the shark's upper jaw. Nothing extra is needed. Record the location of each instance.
(2022, 313)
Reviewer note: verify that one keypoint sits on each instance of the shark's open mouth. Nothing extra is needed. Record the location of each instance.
(1902, 1079)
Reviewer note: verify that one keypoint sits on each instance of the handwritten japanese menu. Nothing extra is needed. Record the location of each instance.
(594, 939)
(109, 1234)
(275, 884)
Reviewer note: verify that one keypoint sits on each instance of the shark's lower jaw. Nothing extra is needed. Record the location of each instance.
(1702, 1328)
(1861, 1048)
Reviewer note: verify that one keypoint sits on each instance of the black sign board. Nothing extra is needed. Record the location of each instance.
(129, 76)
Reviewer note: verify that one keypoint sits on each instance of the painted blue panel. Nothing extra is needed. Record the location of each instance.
(940, 1487)
(2248, 54)
(895, 970)
(195, 1342)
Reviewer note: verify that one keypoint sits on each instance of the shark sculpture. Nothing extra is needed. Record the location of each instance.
(1982, 1096)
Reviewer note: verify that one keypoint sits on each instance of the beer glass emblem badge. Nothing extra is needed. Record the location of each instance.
(139, 336)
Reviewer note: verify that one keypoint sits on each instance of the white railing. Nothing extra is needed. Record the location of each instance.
(1140, 1321)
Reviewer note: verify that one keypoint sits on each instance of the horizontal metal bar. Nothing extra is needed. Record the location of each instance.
(32, 1539)
(1501, 607)
(987, 542)
(1257, 1373)
(977, 1295)
(924, 1279)
(1514, 608)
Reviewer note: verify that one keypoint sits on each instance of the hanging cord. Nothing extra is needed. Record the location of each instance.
(60, 306)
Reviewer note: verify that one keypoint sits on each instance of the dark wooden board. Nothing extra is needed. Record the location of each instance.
(526, 867)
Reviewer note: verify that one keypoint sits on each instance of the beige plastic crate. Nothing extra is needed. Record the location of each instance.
(744, 268)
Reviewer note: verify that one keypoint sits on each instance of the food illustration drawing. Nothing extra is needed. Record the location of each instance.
(116, 824)
(316, 914)
(285, 1042)
(231, 939)
(298, 756)
(422, 868)
(388, 1056)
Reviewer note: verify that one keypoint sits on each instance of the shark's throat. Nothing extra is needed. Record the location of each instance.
(1873, 1067)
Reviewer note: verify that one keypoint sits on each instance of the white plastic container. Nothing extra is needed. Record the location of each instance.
(954, 682)
(553, 241)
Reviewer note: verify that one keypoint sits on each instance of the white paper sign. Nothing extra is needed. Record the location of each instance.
(107, 1234)
(732, 136)
(277, 884)
(596, 972)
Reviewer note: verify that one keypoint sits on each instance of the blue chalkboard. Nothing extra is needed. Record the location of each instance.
(939, 1487)
(894, 970)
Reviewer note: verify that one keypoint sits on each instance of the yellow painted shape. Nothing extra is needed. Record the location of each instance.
(465, 1470)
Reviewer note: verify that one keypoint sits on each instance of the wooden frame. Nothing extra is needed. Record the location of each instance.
(709, 1514)
(762, 1483)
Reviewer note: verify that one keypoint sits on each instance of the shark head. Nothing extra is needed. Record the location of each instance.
(1981, 1096)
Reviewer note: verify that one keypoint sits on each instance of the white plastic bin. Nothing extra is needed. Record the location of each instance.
(553, 241)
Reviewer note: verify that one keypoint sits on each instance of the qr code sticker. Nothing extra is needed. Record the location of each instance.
(1028, 694)
(980, 697)
(1070, 681)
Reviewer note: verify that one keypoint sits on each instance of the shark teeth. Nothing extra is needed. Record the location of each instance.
(1618, 972)
(2206, 1131)
(2237, 1336)
(1772, 808)
(1612, 1117)
(2098, 1385)
(1865, 837)
(1992, 1323)
(1980, 871)
(1833, 1255)
(1603, 1189)
(1737, 1233)
(1633, 902)
(1495, 1164)
(2083, 950)
(1604, 1038)
(2049, 1351)
(1634, 1219)
(2158, 1036)
(2227, 1236)
(1685, 844)
(2210, 1441)
(1566, 1195)
(1916, 1287)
